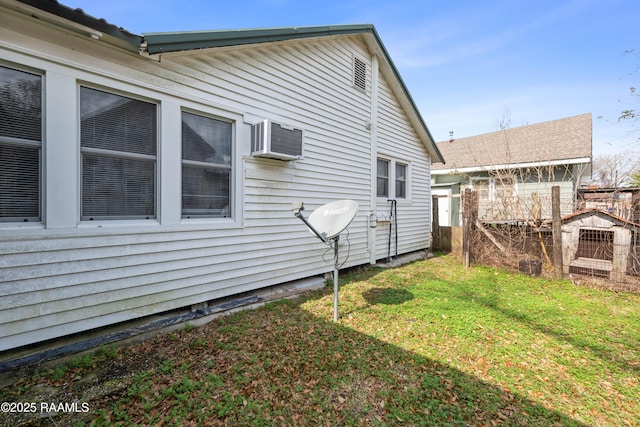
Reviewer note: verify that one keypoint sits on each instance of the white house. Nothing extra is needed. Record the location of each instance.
(129, 185)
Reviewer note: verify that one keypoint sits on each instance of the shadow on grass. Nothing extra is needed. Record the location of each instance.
(553, 329)
(387, 296)
(366, 381)
(282, 365)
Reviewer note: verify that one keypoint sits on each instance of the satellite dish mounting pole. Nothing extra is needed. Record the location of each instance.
(335, 277)
(393, 223)
(326, 223)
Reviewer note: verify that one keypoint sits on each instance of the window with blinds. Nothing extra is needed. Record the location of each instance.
(401, 181)
(20, 145)
(206, 167)
(382, 187)
(118, 140)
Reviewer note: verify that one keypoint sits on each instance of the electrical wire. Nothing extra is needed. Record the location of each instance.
(348, 246)
(330, 244)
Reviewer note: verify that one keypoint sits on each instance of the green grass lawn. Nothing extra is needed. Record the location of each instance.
(426, 344)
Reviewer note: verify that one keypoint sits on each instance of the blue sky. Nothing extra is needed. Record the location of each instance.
(467, 64)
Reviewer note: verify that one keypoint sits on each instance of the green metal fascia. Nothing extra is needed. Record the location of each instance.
(191, 40)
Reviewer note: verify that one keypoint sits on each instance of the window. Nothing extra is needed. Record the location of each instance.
(483, 187)
(383, 178)
(20, 145)
(493, 189)
(392, 179)
(206, 166)
(401, 181)
(505, 187)
(118, 140)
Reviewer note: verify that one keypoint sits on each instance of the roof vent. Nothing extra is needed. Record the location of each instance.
(359, 74)
(276, 141)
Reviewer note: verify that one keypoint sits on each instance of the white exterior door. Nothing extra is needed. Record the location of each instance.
(444, 206)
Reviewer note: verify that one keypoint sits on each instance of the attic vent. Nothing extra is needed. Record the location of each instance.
(359, 74)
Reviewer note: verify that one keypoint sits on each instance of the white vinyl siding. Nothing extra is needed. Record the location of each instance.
(20, 145)
(78, 275)
(398, 142)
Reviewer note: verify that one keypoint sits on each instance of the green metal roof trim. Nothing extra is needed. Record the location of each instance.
(158, 43)
(190, 40)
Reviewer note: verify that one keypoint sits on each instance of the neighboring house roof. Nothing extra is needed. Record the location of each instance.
(163, 43)
(563, 141)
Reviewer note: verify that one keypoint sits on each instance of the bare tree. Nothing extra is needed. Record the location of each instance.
(514, 204)
(504, 122)
(631, 113)
(615, 170)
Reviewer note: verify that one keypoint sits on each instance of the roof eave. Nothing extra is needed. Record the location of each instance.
(56, 12)
(488, 168)
(167, 42)
(163, 43)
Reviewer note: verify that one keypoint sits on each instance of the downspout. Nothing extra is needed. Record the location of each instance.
(373, 126)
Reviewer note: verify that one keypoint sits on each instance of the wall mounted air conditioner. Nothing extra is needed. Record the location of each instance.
(276, 141)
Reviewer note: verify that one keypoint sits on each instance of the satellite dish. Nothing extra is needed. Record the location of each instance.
(326, 223)
(333, 218)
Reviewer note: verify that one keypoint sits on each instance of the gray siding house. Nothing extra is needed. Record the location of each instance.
(514, 169)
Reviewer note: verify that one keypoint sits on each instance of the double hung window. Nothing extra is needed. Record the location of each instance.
(206, 166)
(20, 145)
(386, 182)
(383, 178)
(493, 189)
(118, 139)
(401, 181)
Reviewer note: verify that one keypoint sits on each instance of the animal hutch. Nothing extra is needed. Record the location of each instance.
(600, 244)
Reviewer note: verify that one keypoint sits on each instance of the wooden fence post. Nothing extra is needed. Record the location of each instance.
(556, 228)
(436, 233)
(469, 215)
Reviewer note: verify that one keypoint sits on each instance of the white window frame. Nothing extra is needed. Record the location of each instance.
(474, 186)
(492, 185)
(392, 178)
(117, 154)
(387, 177)
(405, 180)
(32, 144)
(211, 166)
